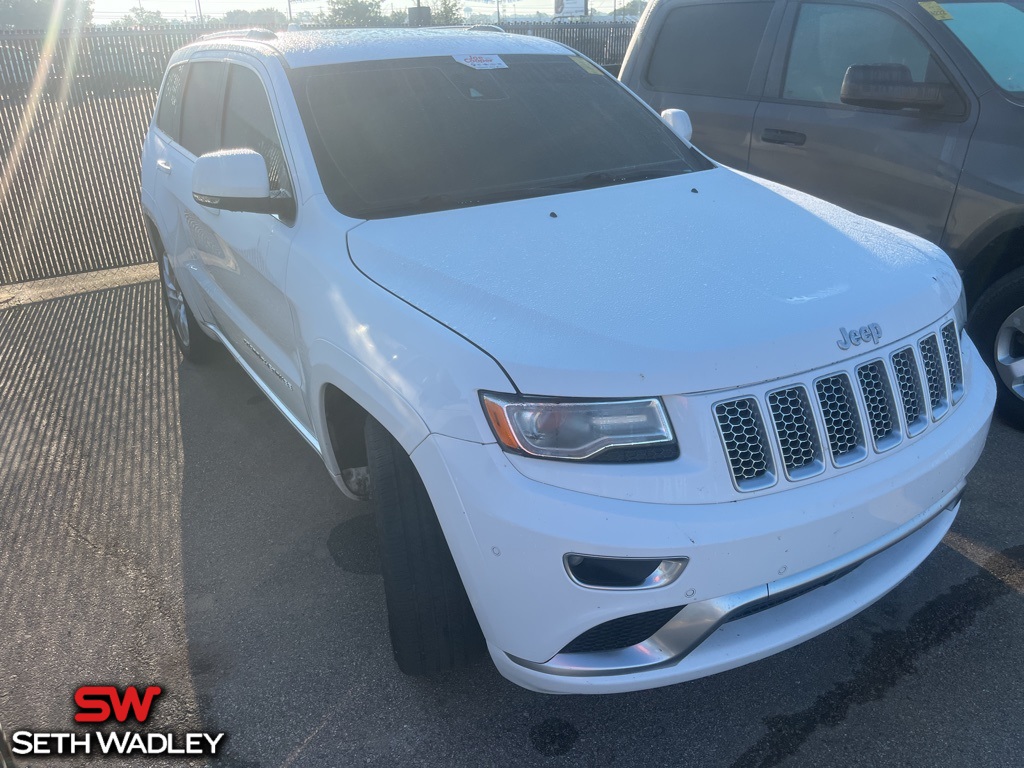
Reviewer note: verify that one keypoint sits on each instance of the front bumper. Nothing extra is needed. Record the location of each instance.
(718, 634)
(508, 535)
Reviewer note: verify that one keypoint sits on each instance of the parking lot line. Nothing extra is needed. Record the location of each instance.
(57, 287)
(996, 563)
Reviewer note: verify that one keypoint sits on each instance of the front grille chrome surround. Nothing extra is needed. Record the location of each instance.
(796, 432)
(746, 446)
(853, 413)
(954, 364)
(908, 381)
(883, 419)
(842, 419)
(934, 375)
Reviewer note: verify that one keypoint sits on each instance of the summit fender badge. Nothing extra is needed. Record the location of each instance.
(870, 332)
(266, 362)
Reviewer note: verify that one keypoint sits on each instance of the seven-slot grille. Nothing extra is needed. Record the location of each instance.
(874, 408)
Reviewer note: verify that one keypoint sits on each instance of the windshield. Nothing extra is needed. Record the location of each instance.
(994, 34)
(397, 137)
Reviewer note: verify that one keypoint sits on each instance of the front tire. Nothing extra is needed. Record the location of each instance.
(431, 622)
(192, 341)
(997, 327)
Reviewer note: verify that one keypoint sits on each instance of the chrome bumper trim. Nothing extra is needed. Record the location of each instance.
(697, 621)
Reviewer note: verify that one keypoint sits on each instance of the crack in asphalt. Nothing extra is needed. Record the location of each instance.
(890, 659)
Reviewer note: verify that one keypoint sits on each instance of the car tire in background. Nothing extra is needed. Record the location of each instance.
(431, 621)
(192, 341)
(996, 326)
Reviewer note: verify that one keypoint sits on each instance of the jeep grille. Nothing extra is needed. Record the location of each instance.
(852, 413)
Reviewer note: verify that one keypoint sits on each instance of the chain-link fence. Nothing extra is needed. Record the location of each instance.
(73, 113)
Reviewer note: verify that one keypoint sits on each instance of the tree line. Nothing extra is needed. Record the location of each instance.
(36, 14)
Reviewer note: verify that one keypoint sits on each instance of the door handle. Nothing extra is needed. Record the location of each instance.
(778, 136)
(163, 165)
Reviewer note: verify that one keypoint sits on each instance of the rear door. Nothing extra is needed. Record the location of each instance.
(711, 60)
(901, 166)
(159, 159)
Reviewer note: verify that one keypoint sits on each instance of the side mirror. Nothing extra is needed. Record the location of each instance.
(679, 122)
(888, 86)
(237, 180)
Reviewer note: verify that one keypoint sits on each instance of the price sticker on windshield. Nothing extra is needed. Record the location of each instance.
(937, 11)
(480, 61)
(585, 65)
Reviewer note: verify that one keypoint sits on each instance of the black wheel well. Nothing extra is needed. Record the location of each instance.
(345, 422)
(1000, 257)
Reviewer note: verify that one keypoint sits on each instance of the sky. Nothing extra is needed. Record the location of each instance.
(105, 11)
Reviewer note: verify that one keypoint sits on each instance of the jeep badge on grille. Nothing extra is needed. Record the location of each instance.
(872, 331)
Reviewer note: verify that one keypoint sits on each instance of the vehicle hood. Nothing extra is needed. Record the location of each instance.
(686, 284)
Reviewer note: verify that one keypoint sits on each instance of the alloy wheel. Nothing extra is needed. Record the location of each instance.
(175, 301)
(1009, 352)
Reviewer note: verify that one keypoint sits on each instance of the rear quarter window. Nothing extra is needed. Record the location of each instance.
(708, 49)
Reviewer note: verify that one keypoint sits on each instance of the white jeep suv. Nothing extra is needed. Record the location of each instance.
(625, 417)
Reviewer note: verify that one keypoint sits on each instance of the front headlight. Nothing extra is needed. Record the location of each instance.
(582, 430)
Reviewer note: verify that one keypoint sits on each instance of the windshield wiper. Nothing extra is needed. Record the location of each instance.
(606, 178)
(443, 202)
(448, 201)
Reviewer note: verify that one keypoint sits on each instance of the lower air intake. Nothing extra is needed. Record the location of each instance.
(622, 632)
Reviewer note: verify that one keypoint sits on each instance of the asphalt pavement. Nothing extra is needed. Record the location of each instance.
(161, 523)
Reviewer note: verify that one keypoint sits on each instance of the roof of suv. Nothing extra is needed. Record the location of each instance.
(336, 46)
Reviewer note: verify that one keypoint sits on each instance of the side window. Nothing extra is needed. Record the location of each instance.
(169, 114)
(249, 124)
(709, 49)
(202, 107)
(828, 39)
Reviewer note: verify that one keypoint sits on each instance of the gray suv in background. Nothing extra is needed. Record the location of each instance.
(905, 112)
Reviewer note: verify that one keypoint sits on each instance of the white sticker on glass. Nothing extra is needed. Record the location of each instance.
(480, 61)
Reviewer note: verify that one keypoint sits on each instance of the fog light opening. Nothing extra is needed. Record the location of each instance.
(623, 572)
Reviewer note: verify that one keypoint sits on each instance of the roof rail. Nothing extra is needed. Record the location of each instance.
(256, 33)
(467, 27)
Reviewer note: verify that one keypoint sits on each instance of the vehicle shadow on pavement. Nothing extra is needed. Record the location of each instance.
(91, 588)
